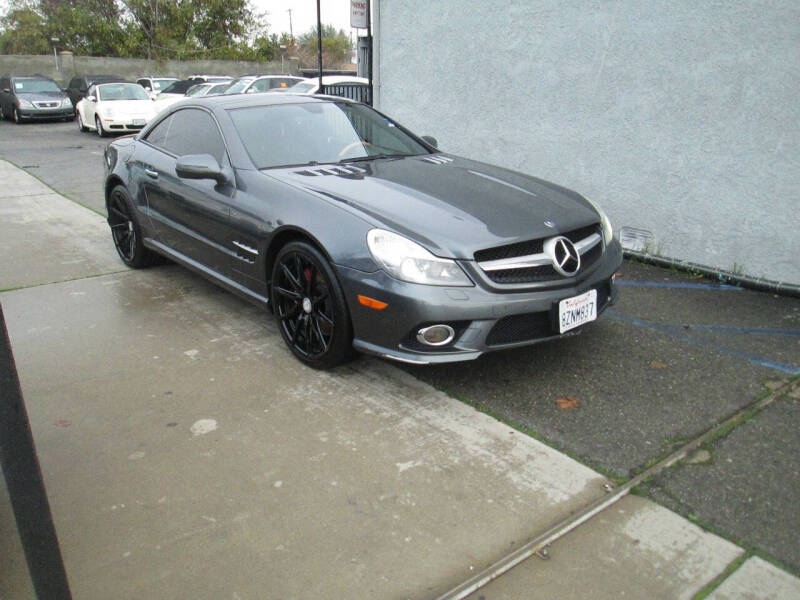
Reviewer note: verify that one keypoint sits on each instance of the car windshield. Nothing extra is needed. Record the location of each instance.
(198, 90)
(35, 86)
(162, 83)
(122, 91)
(179, 87)
(303, 87)
(319, 132)
(238, 86)
(217, 88)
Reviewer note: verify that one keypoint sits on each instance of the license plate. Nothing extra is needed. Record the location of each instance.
(574, 312)
(138, 121)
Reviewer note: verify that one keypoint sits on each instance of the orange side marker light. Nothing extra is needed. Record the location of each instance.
(371, 302)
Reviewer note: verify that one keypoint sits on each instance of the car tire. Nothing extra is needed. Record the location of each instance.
(310, 307)
(99, 127)
(81, 126)
(126, 231)
(2, 113)
(16, 116)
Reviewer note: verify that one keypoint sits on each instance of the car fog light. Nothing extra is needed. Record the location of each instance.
(436, 335)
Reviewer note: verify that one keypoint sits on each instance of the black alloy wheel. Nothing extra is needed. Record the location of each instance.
(126, 232)
(310, 307)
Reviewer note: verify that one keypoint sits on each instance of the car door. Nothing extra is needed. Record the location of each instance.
(89, 106)
(190, 216)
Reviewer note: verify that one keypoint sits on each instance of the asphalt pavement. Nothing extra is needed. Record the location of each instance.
(676, 356)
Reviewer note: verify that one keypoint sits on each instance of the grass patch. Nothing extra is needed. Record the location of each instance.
(717, 581)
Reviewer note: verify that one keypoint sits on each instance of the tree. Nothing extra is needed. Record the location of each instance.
(336, 47)
(89, 27)
(23, 30)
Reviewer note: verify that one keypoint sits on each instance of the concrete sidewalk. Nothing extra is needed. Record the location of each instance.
(187, 454)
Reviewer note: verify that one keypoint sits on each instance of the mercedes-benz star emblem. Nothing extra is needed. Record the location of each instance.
(564, 255)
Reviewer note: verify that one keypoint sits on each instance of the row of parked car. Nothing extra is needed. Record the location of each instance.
(107, 104)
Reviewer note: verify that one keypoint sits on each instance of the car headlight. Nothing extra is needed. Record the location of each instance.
(408, 261)
(24, 103)
(108, 112)
(608, 231)
(66, 103)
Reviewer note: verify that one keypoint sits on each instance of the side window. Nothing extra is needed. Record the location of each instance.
(158, 135)
(143, 82)
(4, 83)
(92, 90)
(194, 131)
(262, 85)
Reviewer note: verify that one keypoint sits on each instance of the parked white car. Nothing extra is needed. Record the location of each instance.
(115, 108)
(198, 89)
(311, 85)
(250, 84)
(155, 85)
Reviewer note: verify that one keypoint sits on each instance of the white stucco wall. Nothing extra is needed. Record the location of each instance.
(678, 117)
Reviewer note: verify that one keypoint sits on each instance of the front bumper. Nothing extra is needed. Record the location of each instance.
(128, 124)
(484, 319)
(42, 114)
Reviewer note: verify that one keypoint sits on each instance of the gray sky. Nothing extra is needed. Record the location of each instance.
(304, 14)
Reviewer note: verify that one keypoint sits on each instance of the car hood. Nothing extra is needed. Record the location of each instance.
(41, 96)
(130, 107)
(452, 206)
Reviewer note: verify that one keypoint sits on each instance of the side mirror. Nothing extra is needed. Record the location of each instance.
(430, 140)
(202, 166)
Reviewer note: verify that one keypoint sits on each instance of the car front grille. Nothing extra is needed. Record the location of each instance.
(528, 327)
(47, 104)
(512, 274)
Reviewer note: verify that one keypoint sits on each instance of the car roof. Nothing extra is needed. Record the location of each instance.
(247, 100)
(328, 79)
(29, 77)
(107, 83)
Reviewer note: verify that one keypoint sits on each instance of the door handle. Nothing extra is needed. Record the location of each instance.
(151, 173)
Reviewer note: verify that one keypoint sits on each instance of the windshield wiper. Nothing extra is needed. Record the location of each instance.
(372, 157)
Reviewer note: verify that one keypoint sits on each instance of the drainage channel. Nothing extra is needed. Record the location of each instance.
(540, 543)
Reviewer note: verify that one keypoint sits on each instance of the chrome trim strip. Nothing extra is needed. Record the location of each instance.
(245, 247)
(518, 262)
(587, 243)
(211, 273)
(537, 260)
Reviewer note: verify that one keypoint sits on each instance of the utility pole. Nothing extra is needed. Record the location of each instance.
(319, 47)
(291, 32)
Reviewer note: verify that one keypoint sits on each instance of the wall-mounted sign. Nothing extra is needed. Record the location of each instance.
(358, 14)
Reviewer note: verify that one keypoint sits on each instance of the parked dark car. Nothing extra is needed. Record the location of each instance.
(33, 97)
(78, 86)
(357, 233)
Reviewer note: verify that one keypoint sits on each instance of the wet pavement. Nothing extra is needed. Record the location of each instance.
(673, 358)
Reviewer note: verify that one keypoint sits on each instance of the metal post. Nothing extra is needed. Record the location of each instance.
(25, 484)
(369, 51)
(319, 46)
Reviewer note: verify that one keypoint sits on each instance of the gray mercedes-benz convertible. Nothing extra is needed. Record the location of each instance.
(357, 233)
